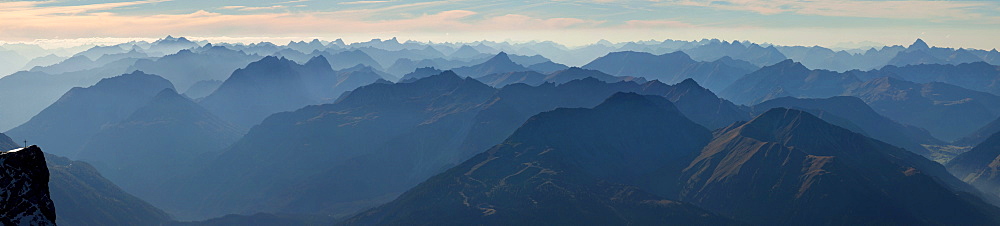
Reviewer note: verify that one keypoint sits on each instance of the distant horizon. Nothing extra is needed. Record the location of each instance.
(955, 24)
(110, 41)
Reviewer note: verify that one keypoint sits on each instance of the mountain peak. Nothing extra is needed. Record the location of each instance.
(918, 44)
(502, 56)
(318, 61)
(782, 124)
(688, 82)
(789, 63)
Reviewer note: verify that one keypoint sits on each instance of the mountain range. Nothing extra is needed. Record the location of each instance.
(544, 174)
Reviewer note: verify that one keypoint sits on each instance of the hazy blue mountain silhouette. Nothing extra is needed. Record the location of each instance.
(948, 112)
(980, 135)
(818, 57)
(346, 59)
(66, 125)
(438, 121)
(921, 53)
(977, 76)
(559, 77)
(187, 67)
(83, 197)
(420, 73)
(167, 137)
(749, 52)
(853, 114)
(31, 92)
(202, 88)
(787, 78)
(548, 67)
(545, 167)
(980, 166)
(669, 68)
(274, 85)
(501, 63)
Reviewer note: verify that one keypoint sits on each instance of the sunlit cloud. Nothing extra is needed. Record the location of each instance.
(850, 8)
(361, 2)
(538, 20)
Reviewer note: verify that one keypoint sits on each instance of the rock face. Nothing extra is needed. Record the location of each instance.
(546, 174)
(787, 167)
(24, 188)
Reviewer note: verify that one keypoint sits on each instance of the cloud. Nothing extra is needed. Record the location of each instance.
(361, 2)
(656, 24)
(893, 9)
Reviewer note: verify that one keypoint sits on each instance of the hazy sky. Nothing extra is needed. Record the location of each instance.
(974, 24)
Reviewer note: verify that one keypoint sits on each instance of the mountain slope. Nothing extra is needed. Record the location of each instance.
(66, 125)
(323, 137)
(980, 135)
(859, 115)
(167, 137)
(949, 112)
(501, 63)
(84, 197)
(789, 167)
(24, 188)
(546, 174)
(787, 78)
(980, 166)
(668, 68)
(558, 77)
(274, 85)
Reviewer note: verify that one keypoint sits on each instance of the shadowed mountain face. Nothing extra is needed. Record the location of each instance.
(948, 112)
(668, 68)
(24, 188)
(748, 52)
(202, 88)
(168, 136)
(501, 63)
(32, 92)
(420, 73)
(84, 197)
(559, 77)
(81, 194)
(185, 68)
(921, 53)
(787, 78)
(980, 166)
(326, 136)
(855, 115)
(981, 134)
(436, 123)
(65, 126)
(789, 167)
(978, 76)
(273, 85)
(545, 174)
